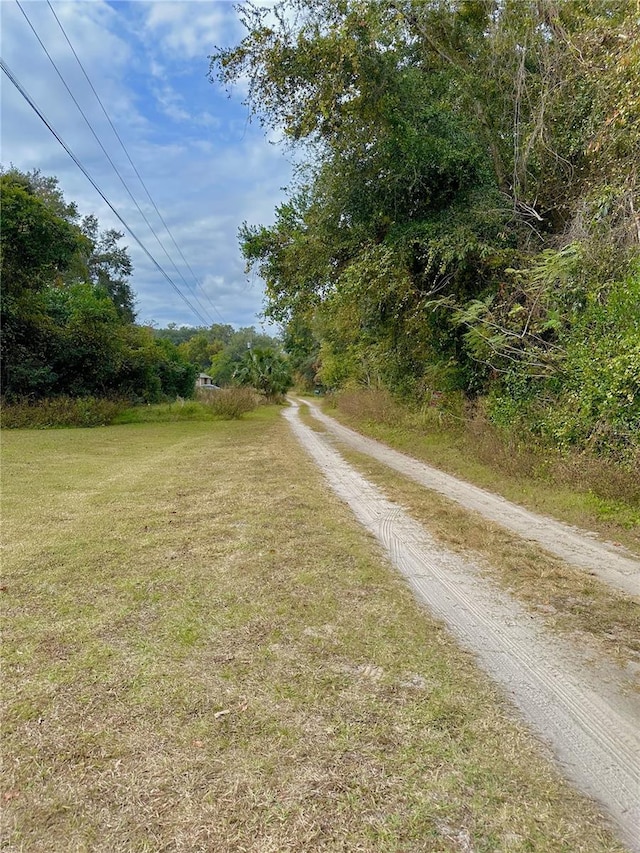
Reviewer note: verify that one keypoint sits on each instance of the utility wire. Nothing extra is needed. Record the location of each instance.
(75, 159)
(133, 166)
(106, 154)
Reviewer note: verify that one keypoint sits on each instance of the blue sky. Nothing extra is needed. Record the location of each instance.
(207, 166)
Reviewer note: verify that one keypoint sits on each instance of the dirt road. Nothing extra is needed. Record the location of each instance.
(591, 726)
(614, 565)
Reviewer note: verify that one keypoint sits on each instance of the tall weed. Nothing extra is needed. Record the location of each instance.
(375, 405)
(60, 412)
(229, 403)
(520, 452)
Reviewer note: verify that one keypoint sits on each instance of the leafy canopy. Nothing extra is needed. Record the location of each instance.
(67, 308)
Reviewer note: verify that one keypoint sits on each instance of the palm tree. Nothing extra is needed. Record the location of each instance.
(266, 370)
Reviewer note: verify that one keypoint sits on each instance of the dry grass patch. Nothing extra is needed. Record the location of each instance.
(203, 652)
(231, 403)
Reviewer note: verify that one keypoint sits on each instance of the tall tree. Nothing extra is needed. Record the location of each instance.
(37, 244)
(469, 186)
(109, 266)
(67, 307)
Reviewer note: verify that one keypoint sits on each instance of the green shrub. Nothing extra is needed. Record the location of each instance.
(589, 397)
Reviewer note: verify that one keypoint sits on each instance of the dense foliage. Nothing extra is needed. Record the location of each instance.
(265, 370)
(465, 215)
(229, 355)
(68, 309)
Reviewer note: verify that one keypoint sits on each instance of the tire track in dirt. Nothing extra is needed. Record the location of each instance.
(616, 567)
(591, 728)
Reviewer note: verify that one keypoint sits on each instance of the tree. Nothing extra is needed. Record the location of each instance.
(225, 362)
(109, 266)
(42, 239)
(401, 206)
(216, 333)
(199, 350)
(265, 370)
(454, 154)
(152, 369)
(67, 308)
(37, 245)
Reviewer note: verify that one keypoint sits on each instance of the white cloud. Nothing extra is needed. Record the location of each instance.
(208, 169)
(189, 30)
(157, 69)
(171, 103)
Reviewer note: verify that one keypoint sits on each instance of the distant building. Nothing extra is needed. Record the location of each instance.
(203, 380)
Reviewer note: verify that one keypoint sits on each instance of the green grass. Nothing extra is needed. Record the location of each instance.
(185, 410)
(202, 651)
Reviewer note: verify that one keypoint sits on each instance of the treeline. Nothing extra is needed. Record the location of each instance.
(466, 215)
(219, 350)
(68, 318)
(68, 313)
(234, 356)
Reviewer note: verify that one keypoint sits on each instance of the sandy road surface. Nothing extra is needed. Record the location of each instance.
(591, 727)
(615, 566)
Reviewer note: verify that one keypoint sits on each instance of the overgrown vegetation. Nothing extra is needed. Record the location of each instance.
(466, 213)
(229, 403)
(224, 663)
(223, 404)
(60, 412)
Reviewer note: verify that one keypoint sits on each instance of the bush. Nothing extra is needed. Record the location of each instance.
(229, 403)
(60, 412)
(375, 405)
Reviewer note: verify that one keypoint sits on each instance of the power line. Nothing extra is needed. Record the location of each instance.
(106, 154)
(75, 159)
(115, 168)
(133, 166)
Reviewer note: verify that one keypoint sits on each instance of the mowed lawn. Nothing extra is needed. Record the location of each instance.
(203, 652)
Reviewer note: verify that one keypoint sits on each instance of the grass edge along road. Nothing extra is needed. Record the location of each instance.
(586, 491)
(203, 651)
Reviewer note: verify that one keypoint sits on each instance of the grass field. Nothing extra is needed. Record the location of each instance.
(203, 652)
